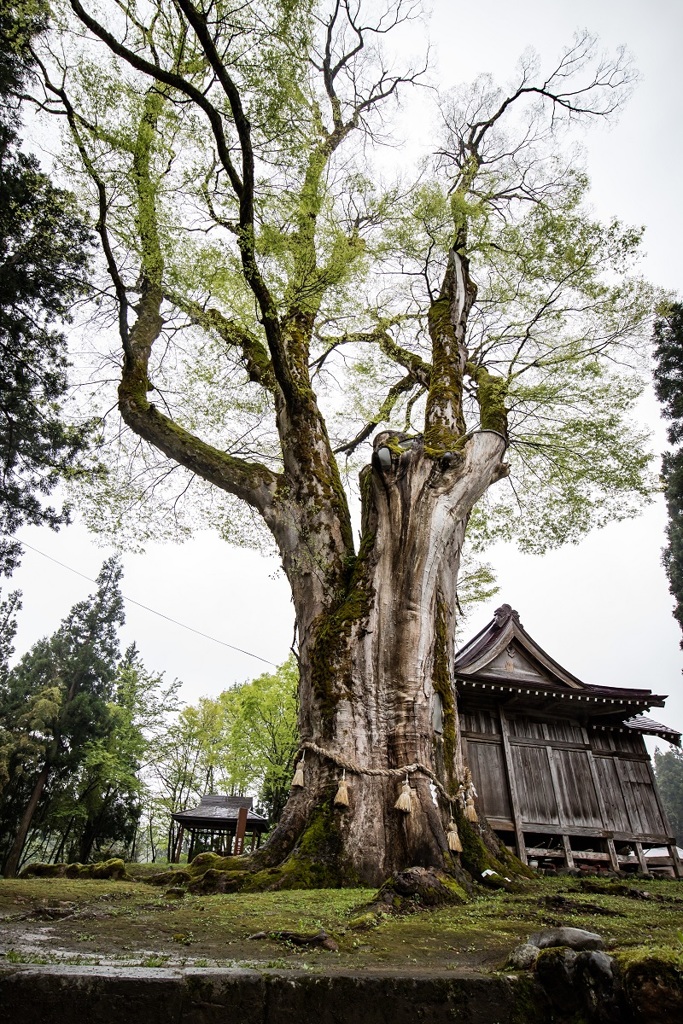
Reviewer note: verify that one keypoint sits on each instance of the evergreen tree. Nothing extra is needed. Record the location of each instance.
(669, 772)
(56, 703)
(43, 258)
(668, 340)
(96, 810)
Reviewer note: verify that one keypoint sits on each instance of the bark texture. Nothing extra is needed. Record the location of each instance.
(374, 667)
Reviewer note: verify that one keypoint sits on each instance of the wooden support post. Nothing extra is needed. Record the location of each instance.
(678, 867)
(241, 830)
(514, 802)
(612, 850)
(568, 855)
(641, 857)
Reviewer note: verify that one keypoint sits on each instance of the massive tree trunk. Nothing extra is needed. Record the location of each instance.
(376, 671)
(376, 626)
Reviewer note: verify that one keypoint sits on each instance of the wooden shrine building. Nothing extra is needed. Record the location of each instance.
(213, 825)
(561, 768)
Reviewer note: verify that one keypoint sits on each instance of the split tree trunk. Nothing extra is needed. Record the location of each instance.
(374, 665)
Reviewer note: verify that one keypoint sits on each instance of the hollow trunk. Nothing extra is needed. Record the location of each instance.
(376, 691)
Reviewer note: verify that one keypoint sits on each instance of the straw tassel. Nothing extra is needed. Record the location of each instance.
(405, 798)
(298, 779)
(452, 837)
(470, 810)
(341, 798)
(469, 795)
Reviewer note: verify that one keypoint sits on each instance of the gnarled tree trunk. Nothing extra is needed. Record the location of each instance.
(376, 626)
(375, 664)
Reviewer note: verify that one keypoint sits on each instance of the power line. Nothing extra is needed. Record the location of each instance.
(146, 608)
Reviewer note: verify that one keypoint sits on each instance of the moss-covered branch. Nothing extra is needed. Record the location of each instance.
(491, 394)
(447, 320)
(252, 482)
(254, 355)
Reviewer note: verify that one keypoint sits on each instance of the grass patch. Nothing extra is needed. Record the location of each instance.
(114, 920)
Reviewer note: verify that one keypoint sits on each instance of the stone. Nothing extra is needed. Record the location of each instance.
(594, 977)
(555, 972)
(581, 985)
(654, 988)
(575, 938)
(523, 957)
(596, 965)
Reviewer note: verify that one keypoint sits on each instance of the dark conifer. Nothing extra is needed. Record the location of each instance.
(668, 339)
(43, 259)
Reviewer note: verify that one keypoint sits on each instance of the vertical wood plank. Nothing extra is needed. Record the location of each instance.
(611, 848)
(568, 855)
(241, 830)
(660, 805)
(554, 775)
(514, 801)
(626, 795)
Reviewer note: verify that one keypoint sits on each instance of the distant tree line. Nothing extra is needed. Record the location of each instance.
(669, 772)
(96, 754)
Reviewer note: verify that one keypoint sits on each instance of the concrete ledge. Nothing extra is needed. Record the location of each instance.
(139, 995)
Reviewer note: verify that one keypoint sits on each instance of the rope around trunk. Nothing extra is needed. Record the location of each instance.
(407, 769)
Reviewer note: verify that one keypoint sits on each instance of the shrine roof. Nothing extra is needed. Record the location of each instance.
(643, 724)
(503, 656)
(216, 811)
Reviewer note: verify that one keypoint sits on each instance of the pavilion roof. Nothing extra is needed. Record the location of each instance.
(216, 811)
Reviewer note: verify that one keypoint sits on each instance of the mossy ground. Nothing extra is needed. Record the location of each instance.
(130, 922)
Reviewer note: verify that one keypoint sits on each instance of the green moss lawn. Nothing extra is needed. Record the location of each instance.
(56, 920)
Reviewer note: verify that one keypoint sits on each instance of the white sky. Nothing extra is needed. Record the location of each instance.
(600, 608)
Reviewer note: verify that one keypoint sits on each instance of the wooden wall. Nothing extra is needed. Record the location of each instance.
(546, 774)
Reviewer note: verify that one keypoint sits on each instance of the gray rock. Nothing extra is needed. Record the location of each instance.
(523, 957)
(555, 972)
(596, 965)
(575, 938)
(594, 977)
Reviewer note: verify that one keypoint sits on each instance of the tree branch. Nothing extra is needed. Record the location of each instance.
(385, 410)
(255, 356)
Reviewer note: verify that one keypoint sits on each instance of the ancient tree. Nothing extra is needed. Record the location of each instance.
(286, 318)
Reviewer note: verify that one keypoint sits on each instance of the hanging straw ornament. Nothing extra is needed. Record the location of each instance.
(470, 810)
(452, 837)
(405, 798)
(468, 797)
(341, 798)
(298, 779)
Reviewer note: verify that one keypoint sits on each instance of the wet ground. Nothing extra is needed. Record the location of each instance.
(62, 921)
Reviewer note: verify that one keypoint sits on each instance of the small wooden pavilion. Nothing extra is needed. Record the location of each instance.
(214, 824)
(561, 768)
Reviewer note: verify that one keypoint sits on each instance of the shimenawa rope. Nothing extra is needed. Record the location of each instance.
(407, 769)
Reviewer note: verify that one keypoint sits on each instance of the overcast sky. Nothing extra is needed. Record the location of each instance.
(600, 608)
